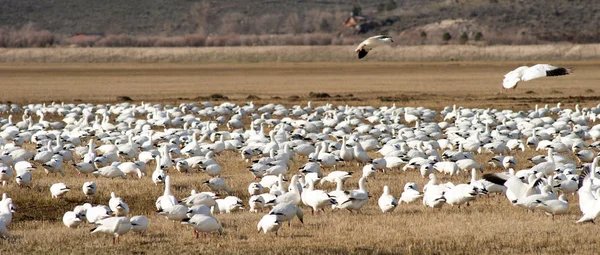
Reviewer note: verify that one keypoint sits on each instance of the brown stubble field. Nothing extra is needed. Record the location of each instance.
(489, 225)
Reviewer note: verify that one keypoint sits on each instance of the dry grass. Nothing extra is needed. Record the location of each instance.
(562, 52)
(489, 225)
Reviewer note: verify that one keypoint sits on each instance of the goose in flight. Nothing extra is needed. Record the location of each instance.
(372, 42)
(526, 73)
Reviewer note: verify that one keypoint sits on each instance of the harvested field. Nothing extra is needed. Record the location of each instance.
(490, 225)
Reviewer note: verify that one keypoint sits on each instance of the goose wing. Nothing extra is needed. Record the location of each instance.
(513, 77)
(542, 70)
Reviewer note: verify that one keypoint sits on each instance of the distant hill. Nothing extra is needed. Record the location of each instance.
(414, 21)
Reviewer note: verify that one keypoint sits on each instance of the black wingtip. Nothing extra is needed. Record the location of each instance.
(494, 179)
(362, 53)
(92, 230)
(584, 173)
(558, 72)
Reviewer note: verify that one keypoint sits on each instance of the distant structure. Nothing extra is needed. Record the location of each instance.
(361, 24)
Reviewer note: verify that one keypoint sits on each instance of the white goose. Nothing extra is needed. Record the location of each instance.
(159, 175)
(526, 73)
(202, 198)
(387, 202)
(355, 199)
(114, 226)
(372, 42)
(167, 199)
(554, 206)
(58, 190)
(316, 199)
(89, 189)
(71, 219)
(117, 205)
(269, 223)
(203, 223)
(411, 193)
(548, 167)
(333, 176)
(287, 212)
(218, 184)
(139, 224)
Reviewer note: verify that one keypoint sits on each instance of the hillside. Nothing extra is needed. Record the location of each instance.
(416, 21)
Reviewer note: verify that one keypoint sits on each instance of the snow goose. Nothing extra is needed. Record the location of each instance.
(110, 172)
(326, 160)
(311, 167)
(554, 206)
(255, 188)
(167, 199)
(460, 194)
(213, 170)
(7, 208)
(54, 165)
(117, 205)
(293, 196)
(199, 209)
(548, 167)
(346, 154)
(450, 168)
(84, 167)
(58, 190)
(6, 174)
(174, 213)
(515, 188)
(355, 199)
(202, 198)
(71, 219)
(218, 184)
(360, 155)
(369, 171)
(287, 212)
(130, 168)
(256, 203)
(97, 213)
(466, 164)
(114, 226)
(316, 199)
(333, 176)
(372, 42)
(588, 198)
(568, 185)
(387, 202)
(483, 184)
(23, 178)
(228, 204)
(411, 193)
(89, 189)
(139, 224)
(526, 73)
(269, 223)
(159, 175)
(203, 223)
(433, 194)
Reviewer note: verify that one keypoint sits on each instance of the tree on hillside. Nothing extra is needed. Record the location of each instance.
(463, 38)
(446, 37)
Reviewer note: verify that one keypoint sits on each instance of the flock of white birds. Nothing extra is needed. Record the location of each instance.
(121, 140)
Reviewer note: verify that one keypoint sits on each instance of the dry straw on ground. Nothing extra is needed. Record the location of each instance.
(561, 52)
